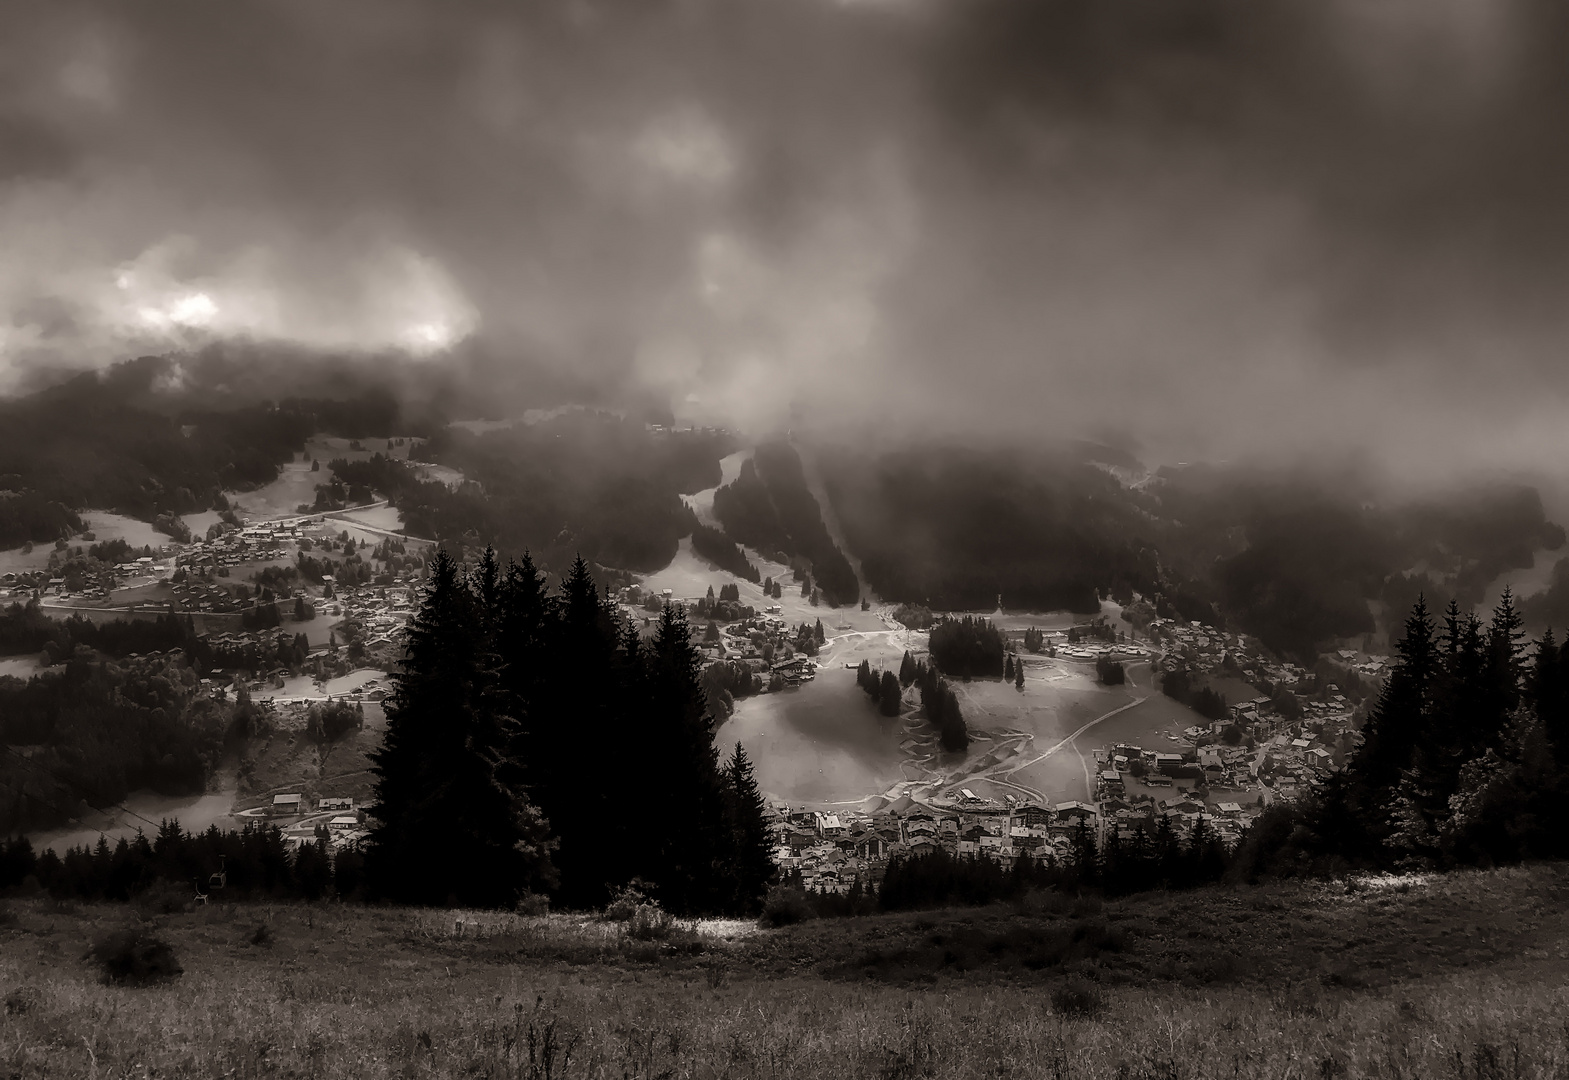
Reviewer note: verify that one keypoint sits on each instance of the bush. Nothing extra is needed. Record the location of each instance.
(626, 902)
(650, 922)
(134, 958)
(533, 903)
(786, 906)
(1076, 998)
(164, 897)
(261, 937)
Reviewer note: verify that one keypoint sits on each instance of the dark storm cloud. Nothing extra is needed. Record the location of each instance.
(1208, 227)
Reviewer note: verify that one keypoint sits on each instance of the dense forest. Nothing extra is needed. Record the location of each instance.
(130, 440)
(719, 549)
(770, 508)
(955, 528)
(586, 483)
(91, 730)
(1300, 561)
(966, 647)
(504, 686)
(26, 629)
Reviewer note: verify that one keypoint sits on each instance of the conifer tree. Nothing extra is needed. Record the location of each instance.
(576, 696)
(752, 867)
(1397, 722)
(891, 698)
(687, 848)
(1007, 671)
(447, 825)
(1018, 675)
(907, 669)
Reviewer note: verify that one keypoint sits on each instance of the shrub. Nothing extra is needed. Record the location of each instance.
(164, 897)
(650, 922)
(533, 903)
(135, 958)
(786, 906)
(1076, 998)
(1085, 905)
(626, 902)
(262, 936)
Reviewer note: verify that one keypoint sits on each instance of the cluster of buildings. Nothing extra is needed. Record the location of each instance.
(833, 851)
(253, 543)
(335, 819)
(381, 612)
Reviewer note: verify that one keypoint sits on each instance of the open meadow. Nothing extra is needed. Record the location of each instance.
(1457, 976)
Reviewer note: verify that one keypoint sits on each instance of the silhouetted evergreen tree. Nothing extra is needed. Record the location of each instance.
(890, 697)
(683, 821)
(447, 824)
(752, 867)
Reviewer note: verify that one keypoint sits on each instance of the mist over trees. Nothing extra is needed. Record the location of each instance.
(120, 440)
(770, 508)
(952, 528)
(719, 549)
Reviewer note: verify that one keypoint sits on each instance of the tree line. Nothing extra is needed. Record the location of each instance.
(1464, 760)
(536, 742)
(882, 687)
(27, 629)
(251, 863)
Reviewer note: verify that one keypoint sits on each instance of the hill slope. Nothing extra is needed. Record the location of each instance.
(1460, 975)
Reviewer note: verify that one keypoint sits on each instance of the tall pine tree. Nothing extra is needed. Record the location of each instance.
(752, 867)
(447, 824)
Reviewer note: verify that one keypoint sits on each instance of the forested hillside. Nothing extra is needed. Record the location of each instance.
(770, 508)
(1297, 559)
(584, 483)
(133, 441)
(955, 528)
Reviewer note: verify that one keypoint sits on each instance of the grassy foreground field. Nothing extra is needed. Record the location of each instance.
(1460, 976)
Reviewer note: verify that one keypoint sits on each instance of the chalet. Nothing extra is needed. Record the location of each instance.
(871, 846)
(1027, 814)
(1071, 812)
(286, 804)
(334, 805)
(343, 822)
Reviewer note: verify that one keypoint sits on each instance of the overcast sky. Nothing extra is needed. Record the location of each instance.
(1218, 228)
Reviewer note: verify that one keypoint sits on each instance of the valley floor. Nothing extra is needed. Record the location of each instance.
(1448, 976)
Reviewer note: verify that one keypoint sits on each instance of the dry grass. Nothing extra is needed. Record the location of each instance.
(365, 992)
